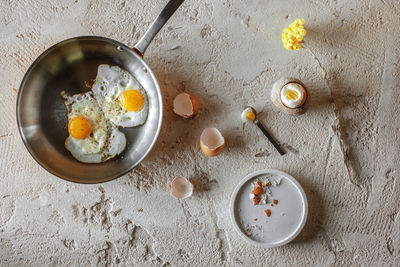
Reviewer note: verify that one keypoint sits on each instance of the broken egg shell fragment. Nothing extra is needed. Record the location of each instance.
(212, 142)
(186, 105)
(181, 188)
(256, 201)
(257, 190)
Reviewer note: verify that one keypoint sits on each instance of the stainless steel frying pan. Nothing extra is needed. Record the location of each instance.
(67, 66)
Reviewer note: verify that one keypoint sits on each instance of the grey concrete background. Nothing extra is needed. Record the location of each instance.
(345, 150)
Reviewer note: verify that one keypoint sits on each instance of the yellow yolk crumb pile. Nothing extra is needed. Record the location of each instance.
(293, 35)
(291, 95)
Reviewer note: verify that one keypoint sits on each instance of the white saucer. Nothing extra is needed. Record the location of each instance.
(287, 217)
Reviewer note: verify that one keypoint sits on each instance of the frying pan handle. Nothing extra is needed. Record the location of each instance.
(156, 26)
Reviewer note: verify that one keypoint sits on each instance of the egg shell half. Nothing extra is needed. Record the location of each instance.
(186, 105)
(212, 142)
(181, 188)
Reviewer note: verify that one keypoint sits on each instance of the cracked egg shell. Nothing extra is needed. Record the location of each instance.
(181, 188)
(212, 142)
(186, 105)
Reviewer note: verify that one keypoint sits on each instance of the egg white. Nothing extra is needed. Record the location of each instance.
(110, 83)
(105, 140)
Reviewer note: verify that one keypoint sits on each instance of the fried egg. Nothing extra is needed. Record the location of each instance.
(121, 97)
(92, 139)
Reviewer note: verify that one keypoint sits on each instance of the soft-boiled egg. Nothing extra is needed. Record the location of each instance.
(289, 95)
(293, 95)
(92, 139)
(121, 97)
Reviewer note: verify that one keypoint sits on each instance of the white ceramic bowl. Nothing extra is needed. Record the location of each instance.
(287, 217)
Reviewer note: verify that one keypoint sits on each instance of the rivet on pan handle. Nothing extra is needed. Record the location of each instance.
(156, 26)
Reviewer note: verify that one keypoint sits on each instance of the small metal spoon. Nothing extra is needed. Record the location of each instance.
(249, 114)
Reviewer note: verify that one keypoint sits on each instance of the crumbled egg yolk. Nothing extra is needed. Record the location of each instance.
(250, 115)
(132, 100)
(79, 127)
(293, 35)
(291, 95)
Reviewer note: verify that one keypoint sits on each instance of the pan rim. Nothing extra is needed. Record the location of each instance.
(18, 115)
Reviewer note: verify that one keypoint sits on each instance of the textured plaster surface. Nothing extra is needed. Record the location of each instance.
(345, 150)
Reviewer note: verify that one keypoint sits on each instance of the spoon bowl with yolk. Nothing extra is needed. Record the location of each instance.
(79, 127)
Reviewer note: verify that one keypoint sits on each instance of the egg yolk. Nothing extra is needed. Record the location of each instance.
(250, 116)
(79, 127)
(291, 95)
(132, 100)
